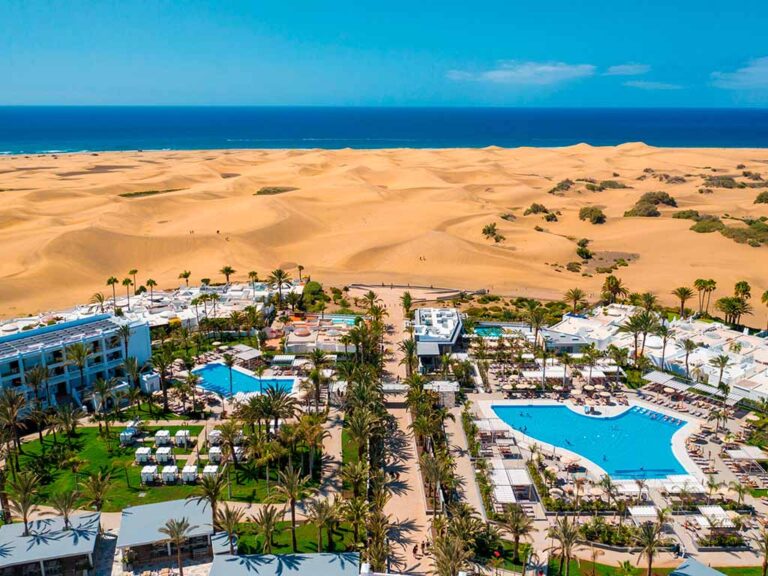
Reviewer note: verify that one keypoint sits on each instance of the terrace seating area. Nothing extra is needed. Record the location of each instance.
(675, 398)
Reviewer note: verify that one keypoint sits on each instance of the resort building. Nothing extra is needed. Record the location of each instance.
(600, 327)
(328, 333)
(325, 564)
(50, 549)
(47, 346)
(141, 541)
(436, 331)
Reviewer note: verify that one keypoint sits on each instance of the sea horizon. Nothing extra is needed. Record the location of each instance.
(72, 129)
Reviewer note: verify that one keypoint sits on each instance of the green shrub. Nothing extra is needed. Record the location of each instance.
(643, 210)
(536, 208)
(508, 216)
(592, 213)
(657, 198)
(722, 182)
(762, 198)
(550, 217)
(584, 253)
(707, 224)
(612, 185)
(573, 266)
(562, 186)
(594, 187)
(271, 190)
(687, 215)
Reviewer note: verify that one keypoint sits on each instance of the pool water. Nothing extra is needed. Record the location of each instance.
(634, 444)
(489, 331)
(215, 377)
(341, 319)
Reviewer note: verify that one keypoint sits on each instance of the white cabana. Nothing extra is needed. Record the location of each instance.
(491, 425)
(182, 438)
(285, 359)
(164, 454)
(240, 454)
(716, 516)
(676, 483)
(627, 487)
(162, 437)
(189, 474)
(658, 377)
(143, 454)
(747, 453)
(148, 474)
(170, 473)
(504, 495)
(214, 455)
(642, 514)
(126, 436)
(214, 437)
(211, 470)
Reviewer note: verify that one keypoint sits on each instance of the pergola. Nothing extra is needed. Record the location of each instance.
(642, 514)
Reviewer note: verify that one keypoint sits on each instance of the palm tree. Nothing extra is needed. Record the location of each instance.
(161, 361)
(519, 525)
(323, 514)
(408, 349)
(177, 531)
(613, 288)
(266, 520)
(23, 490)
(688, 346)
(406, 301)
(151, 285)
(227, 271)
(451, 555)
(721, 363)
(231, 433)
(649, 540)
(78, 354)
(576, 298)
(253, 277)
(99, 299)
(276, 280)
(683, 293)
(665, 333)
(210, 490)
(355, 511)
(356, 475)
(112, 281)
(64, 504)
(434, 470)
(291, 485)
(764, 300)
(132, 272)
(229, 519)
(740, 490)
(12, 406)
(185, 275)
(565, 533)
(103, 391)
(229, 362)
(127, 282)
(95, 489)
(536, 317)
(300, 268)
(35, 378)
(761, 543)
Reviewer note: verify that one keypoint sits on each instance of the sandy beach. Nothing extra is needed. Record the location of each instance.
(394, 216)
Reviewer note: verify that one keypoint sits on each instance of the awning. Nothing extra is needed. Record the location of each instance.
(716, 516)
(283, 359)
(658, 377)
(504, 495)
(427, 349)
(747, 453)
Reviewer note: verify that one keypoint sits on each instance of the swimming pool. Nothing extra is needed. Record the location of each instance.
(343, 319)
(215, 377)
(489, 331)
(635, 444)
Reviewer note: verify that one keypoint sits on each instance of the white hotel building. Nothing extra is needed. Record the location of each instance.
(23, 350)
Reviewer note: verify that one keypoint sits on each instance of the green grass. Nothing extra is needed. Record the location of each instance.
(586, 568)
(144, 193)
(759, 492)
(348, 448)
(306, 537)
(92, 454)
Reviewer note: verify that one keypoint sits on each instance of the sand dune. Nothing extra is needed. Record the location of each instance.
(357, 215)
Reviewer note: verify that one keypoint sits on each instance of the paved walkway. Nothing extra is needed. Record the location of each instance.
(457, 440)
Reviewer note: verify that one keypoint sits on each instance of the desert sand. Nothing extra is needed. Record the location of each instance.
(393, 216)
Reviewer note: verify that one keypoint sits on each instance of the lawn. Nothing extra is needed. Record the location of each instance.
(306, 537)
(348, 448)
(585, 568)
(90, 454)
(248, 483)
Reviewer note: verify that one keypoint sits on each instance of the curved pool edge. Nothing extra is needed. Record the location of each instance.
(295, 387)
(678, 438)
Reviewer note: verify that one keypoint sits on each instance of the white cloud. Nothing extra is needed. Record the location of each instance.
(650, 85)
(753, 76)
(526, 73)
(628, 70)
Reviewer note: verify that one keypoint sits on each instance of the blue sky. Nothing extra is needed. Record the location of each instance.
(359, 52)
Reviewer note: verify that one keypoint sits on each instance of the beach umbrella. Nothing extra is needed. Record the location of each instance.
(508, 387)
(599, 387)
(552, 469)
(557, 388)
(217, 343)
(605, 394)
(669, 390)
(589, 388)
(556, 491)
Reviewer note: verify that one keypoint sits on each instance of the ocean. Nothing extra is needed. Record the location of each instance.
(31, 130)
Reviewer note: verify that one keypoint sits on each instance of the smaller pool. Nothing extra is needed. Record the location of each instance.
(215, 377)
(342, 319)
(489, 331)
